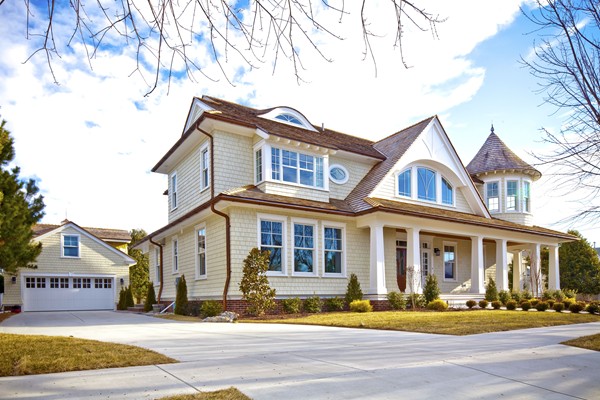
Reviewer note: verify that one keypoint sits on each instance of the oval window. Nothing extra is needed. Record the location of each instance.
(338, 174)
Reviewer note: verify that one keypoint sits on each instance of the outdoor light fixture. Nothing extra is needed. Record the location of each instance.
(13, 279)
(436, 251)
(122, 281)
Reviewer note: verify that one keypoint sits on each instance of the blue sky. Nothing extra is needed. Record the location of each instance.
(92, 140)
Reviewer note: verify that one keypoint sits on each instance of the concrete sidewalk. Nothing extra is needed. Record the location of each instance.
(267, 361)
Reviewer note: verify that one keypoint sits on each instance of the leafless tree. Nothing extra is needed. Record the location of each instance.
(167, 34)
(567, 64)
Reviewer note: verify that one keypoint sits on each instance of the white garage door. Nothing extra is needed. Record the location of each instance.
(63, 293)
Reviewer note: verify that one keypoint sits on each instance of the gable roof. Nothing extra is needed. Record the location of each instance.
(110, 235)
(494, 155)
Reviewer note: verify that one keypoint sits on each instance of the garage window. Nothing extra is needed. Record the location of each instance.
(107, 283)
(98, 283)
(70, 246)
(30, 283)
(87, 283)
(64, 283)
(40, 283)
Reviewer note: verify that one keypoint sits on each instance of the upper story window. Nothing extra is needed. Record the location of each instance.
(173, 191)
(526, 196)
(258, 165)
(447, 192)
(70, 246)
(289, 118)
(426, 184)
(511, 195)
(201, 252)
(293, 167)
(204, 168)
(338, 174)
(175, 255)
(404, 183)
(492, 194)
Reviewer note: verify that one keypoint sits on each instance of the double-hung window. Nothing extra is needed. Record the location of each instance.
(404, 184)
(258, 165)
(173, 191)
(201, 252)
(70, 246)
(526, 196)
(450, 261)
(493, 198)
(511, 195)
(304, 248)
(272, 240)
(299, 168)
(333, 249)
(426, 184)
(204, 168)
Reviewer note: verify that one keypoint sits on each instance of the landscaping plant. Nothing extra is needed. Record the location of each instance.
(431, 291)
(542, 306)
(496, 304)
(150, 298)
(313, 304)
(593, 307)
(577, 307)
(491, 291)
(483, 303)
(361, 306)
(511, 305)
(254, 285)
(397, 300)
(525, 305)
(129, 297)
(292, 305)
(558, 307)
(122, 304)
(437, 305)
(471, 303)
(181, 300)
(334, 304)
(504, 296)
(210, 308)
(353, 291)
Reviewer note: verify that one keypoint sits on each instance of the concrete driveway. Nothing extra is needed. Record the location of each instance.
(309, 362)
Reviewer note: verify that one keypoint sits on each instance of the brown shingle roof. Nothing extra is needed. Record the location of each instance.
(116, 235)
(494, 155)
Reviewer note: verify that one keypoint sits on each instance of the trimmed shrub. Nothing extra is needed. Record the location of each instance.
(471, 303)
(353, 291)
(504, 296)
(567, 302)
(558, 295)
(541, 306)
(292, 305)
(397, 300)
(593, 307)
(511, 305)
(526, 295)
(525, 305)
(150, 298)
(534, 302)
(558, 306)
(361, 306)
(431, 291)
(577, 307)
(181, 300)
(516, 296)
(491, 291)
(334, 304)
(129, 297)
(254, 285)
(437, 305)
(210, 308)
(570, 293)
(313, 304)
(122, 304)
(418, 299)
(550, 303)
(496, 304)
(483, 303)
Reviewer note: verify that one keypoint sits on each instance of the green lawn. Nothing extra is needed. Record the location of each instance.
(591, 342)
(449, 322)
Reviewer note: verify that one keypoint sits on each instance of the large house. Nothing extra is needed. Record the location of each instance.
(78, 269)
(327, 204)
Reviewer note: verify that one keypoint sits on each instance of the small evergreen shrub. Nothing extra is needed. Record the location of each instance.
(181, 300)
(516, 296)
(503, 296)
(534, 302)
(527, 295)
(471, 303)
(334, 304)
(150, 298)
(122, 304)
(129, 297)
(292, 305)
(593, 307)
(254, 285)
(491, 291)
(417, 299)
(431, 291)
(437, 305)
(525, 305)
(313, 304)
(558, 306)
(567, 301)
(397, 300)
(210, 308)
(570, 293)
(353, 291)
(361, 306)
(483, 303)
(558, 295)
(511, 305)
(550, 302)
(541, 306)
(577, 307)
(496, 304)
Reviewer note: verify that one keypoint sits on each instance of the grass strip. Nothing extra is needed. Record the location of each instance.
(226, 394)
(36, 354)
(591, 342)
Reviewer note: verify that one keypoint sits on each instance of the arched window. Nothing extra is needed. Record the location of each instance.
(447, 192)
(289, 118)
(426, 184)
(404, 184)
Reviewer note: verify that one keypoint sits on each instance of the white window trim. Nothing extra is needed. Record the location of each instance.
(414, 186)
(337, 225)
(518, 196)
(175, 256)
(197, 261)
(62, 245)
(173, 191)
(276, 218)
(499, 209)
(455, 245)
(259, 147)
(523, 196)
(442, 179)
(339, 182)
(204, 185)
(268, 164)
(397, 186)
(315, 225)
(157, 265)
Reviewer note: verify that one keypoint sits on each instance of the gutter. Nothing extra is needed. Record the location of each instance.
(160, 267)
(220, 213)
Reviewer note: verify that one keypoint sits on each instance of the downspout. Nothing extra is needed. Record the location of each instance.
(222, 214)
(160, 265)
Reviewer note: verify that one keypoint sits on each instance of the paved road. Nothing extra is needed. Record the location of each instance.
(308, 362)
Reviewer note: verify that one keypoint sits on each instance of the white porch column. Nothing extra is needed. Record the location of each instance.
(516, 278)
(553, 269)
(413, 261)
(377, 273)
(501, 265)
(537, 280)
(477, 269)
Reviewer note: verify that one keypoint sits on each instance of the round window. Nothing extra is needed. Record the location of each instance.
(338, 174)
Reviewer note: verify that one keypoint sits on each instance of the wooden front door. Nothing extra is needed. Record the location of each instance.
(401, 264)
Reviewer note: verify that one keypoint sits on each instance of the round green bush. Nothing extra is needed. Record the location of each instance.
(334, 304)
(534, 302)
(483, 303)
(496, 304)
(210, 308)
(516, 296)
(567, 301)
(437, 305)
(541, 306)
(525, 305)
(550, 303)
(361, 306)
(558, 306)
(292, 305)
(504, 296)
(313, 304)
(397, 300)
(593, 307)
(577, 307)
(511, 305)
(471, 303)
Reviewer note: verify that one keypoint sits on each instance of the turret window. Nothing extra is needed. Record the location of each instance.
(527, 196)
(493, 199)
(511, 195)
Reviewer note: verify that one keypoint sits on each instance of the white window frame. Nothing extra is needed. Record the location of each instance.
(342, 227)
(397, 183)
(315, 226)
(453, 201)
(435, 185)
(173, 190)
(269, 171)
(517, 196)
(157, 264)
(526, 205)
(275, 218)
(487, 198)
(259, 170)
(175, 255)
(62, 245)
(455, 245)
(197, 252)
(344, 170)
(204, 167)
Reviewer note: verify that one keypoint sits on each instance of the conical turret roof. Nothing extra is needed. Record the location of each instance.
(495, 156)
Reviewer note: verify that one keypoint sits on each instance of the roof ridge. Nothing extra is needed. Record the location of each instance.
(408, 127)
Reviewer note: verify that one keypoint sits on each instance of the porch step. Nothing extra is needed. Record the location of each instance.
(459, 300)
(136, 308)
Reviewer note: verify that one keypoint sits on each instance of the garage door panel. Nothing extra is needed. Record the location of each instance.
(63, 293)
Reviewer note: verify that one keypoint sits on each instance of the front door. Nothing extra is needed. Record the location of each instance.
(401, 264)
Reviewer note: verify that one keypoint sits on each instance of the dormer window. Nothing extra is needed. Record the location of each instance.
(404, 184)
(426, 184)
(293, 167)
(289, 118)
(447, 192)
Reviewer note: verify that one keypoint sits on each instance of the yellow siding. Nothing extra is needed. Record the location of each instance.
(356, 171)
(294, 191)
(234, 165)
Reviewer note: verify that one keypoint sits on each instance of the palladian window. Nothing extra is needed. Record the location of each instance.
(426, 184)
